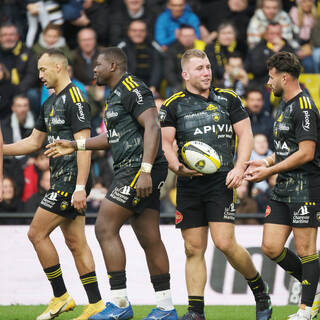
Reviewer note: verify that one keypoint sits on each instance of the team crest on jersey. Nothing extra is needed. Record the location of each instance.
(64, 205)
(179, 217)
(211, 107)
(268, 211)
(162, 114)
(216, 116)
(280, 118)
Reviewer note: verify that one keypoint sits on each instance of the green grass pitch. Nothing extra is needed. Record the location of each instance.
(21, 312)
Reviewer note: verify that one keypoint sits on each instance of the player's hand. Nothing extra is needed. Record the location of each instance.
(183, 171)
(252, 164)
(258, 174)
(144, 185)
(234, 177)
(59, 148)
(79, 201)
(1, 189)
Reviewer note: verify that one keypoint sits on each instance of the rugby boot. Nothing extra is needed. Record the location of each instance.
(191, 315)
(263, 305)
(57, 306)
(300, 315)
(315, 306)
(90, 310)
(157, 314)
(113, 312)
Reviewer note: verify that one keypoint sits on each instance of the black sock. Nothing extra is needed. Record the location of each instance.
(290, 262)
(161, 282)
(90, 284)
(196, 304)
(310, 278)
(256, 285)
(54, 275)
(117, 280)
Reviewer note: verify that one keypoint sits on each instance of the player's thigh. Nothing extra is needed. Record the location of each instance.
(305, 240)
(74, 231)
(222, 234)
(43, 223)
(195, 240)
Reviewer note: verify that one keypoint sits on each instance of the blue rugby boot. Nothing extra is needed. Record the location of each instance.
(159, 314)
(263, 305)
(113, 312)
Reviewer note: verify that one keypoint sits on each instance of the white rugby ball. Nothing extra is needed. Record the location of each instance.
(201, 157)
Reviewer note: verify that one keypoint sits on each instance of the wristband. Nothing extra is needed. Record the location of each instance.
(267, 162)
(79, 187)
(146, 167)
(81, 144)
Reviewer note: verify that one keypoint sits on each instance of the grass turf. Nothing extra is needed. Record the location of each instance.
(21, 312)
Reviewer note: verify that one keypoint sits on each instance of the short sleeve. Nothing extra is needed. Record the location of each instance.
(237, 110)
(40, 123)
(79, 115)
(138, 100)
(167, 116)
(306, 126)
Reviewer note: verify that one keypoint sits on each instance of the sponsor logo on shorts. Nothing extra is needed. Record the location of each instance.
(302, 215)
(49, 200)
(268, 211)
(121, 194)
(179, 217)
(230, 212)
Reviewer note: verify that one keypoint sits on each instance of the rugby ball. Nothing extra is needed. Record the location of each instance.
(200, 157)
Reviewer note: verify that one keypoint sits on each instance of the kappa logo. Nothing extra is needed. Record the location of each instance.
(268, 211)
(306, 122)
(179, 217)
(139, 99)
(80, 114)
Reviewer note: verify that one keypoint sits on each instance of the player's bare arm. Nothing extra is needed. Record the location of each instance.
(79, 199)
(168, 138)
(304, 154)
(245, 143)
(62, 147)
(266, 162)
(27, 145)
(149, 120)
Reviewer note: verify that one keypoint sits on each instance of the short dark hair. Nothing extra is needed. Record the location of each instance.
(116, 55)
(234, 54)
(253, 89)
(285, 62)
(186, 26)
(57, 54)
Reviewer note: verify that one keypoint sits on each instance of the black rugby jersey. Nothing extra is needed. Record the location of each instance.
(126, 102)
(207, 120)
(295, 121)
(61, 116)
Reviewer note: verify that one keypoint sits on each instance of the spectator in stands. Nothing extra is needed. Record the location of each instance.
(10, 200)
(225, 44)
(43, 12)
(186, 39)
(44, 185)
(85, 56)
(271, 43)
(51, 37)
(132, 10)
(246, 204)
(176, 14)
(97, 194)
(213, 13)
(304, 16)
(20, 123)
(235, 76)
(32, 172)
(269, 12)
(315, 42)
(21, 63)
(144, 56)
(7, 92)
(261, 120)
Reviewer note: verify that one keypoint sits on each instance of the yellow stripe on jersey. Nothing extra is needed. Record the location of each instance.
(126, 85)
(301, 103)
(136, 84)
(309, 102)
(174, 97)
(76, 94)
(227, 91)
(132, 184)
(72, 95)
(80, 94)
(129, 83)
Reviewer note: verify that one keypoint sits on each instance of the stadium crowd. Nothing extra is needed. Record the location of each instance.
(237, 35)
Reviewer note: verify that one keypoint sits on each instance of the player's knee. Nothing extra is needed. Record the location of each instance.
(103, 232)
(270, 250)
(74, 244)
(34, 236)
(225, 245)
(194, 249)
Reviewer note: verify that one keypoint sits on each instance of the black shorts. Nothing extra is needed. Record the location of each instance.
(204, 199)
(59, 202)
(123, 189)
(298, 215)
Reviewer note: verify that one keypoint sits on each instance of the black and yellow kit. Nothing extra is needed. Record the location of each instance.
(297, 191)
(61, 116)
(127, 101)
(205, 198)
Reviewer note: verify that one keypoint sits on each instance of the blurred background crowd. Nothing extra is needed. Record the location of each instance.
(237, 35)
